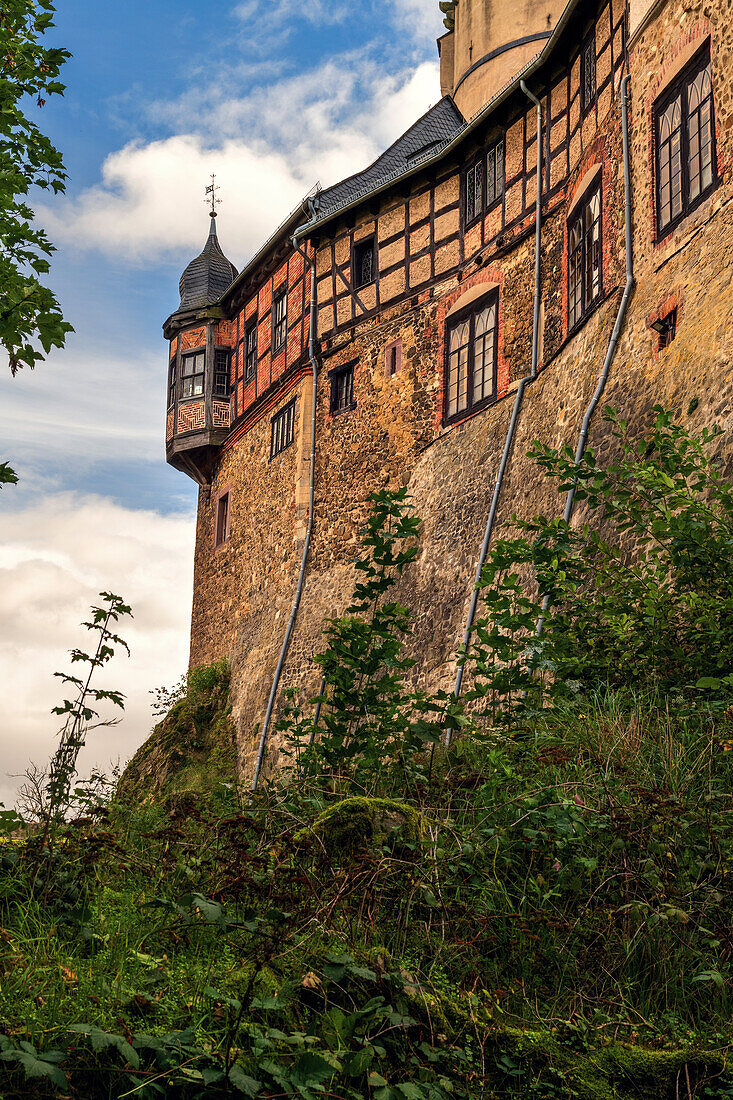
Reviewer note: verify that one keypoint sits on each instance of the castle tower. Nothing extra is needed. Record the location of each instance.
(488, 43)
(199, 414)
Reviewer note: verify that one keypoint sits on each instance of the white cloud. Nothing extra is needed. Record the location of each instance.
(56, 556)
(324, 125)
(422, 19)
(97, 405)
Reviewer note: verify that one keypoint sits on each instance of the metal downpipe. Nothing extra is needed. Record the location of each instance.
(603, 377)
(517, 403)
(309, 530)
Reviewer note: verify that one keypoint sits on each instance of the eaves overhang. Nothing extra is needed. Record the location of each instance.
(309, 227)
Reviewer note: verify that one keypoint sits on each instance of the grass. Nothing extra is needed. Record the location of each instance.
(571, 885)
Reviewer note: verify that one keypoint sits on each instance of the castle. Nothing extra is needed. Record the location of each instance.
(423, 321)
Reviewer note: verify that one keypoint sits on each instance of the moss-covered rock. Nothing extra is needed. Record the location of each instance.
(357, 823)
(192, 750)
(613, 1071)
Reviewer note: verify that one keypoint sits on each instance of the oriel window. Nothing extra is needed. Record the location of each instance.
(585, 258)
(588, 72)
(342, 388)
(364, 266)
(472, 358)
(192, 374)
(282, 430)
(250, 365)
(221, 372)
(279, 321)
(685, 143)
(474, 191)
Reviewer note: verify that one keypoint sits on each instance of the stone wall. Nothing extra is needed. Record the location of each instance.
(395, 434)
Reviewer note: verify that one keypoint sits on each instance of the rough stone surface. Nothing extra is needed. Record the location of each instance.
(395, 433)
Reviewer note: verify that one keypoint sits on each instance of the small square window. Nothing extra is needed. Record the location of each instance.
(279, 321)
(222, 519)
(250, 365)
(363, 263)
(283, 429)
(221, 372)
(192, 375)
(342, 388)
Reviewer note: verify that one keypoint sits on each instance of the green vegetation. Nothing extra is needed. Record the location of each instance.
(29, 71)
(543, 910)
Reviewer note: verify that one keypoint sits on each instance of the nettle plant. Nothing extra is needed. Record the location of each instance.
(372, 725)
(643, 594)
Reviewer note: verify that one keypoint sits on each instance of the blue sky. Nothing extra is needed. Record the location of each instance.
(272, 97)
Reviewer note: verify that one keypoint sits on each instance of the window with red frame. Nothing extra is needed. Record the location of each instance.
(585, 257)
(470, 379)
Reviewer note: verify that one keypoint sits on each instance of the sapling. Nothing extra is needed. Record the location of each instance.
(79, 712)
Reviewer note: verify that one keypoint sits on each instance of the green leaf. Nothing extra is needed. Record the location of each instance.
(311, 1068)
(242, 1082)
(103, 1040)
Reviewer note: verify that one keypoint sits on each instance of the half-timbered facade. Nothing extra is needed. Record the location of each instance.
(406, 295)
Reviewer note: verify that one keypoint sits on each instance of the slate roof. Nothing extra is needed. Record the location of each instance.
(424, 138)
(208, 276)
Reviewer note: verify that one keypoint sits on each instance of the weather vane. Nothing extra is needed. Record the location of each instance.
(211, 196)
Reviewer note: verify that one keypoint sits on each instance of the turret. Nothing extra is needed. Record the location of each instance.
(199, 368)
(487, 43)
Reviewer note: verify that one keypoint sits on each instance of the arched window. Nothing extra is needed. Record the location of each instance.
(685, 143)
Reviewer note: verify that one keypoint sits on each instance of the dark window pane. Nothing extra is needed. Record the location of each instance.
(685, 145)
(283, 429)
(588, 73)
(364, 267)
(471, 359)
(342, 388)
(585, 257)
(250, 367)
(279, 321)
(474, 192)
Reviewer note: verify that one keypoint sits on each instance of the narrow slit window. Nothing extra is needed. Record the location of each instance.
(685, 143)
(172, 383)
(588, 72)
(494, 173)
(585, 260)
(221, 372)
(474, 192)
(192, 374)
(279, 321)
(250, 366)
(364, 266)
(393, 356)
(283, 429)
(342, 388)
(222, 519)
(472, 359)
